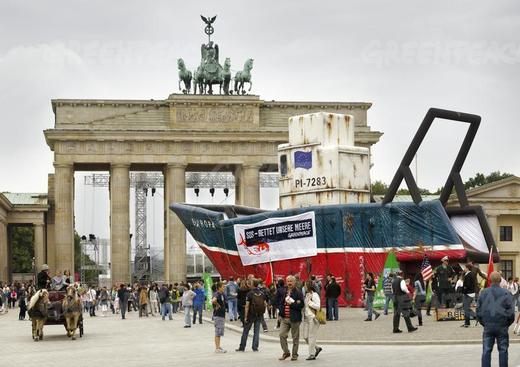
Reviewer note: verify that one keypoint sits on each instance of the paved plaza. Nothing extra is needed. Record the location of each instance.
(351, 329)
(153, 342)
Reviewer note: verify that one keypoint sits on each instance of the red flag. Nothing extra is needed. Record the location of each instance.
(491, 268)
(269, 276)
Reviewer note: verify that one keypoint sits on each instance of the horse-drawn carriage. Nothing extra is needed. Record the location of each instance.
(56, 308)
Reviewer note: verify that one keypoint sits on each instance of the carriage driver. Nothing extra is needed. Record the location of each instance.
(43, 279)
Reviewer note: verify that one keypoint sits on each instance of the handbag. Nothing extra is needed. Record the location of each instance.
(320, 316)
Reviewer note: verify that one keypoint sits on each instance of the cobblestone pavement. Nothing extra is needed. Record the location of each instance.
(153, 342)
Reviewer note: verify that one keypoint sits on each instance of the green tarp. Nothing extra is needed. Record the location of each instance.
(391, 266)
(208, 283)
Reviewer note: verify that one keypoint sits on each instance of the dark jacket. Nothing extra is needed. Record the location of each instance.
(163, 293)
(470, 283)
(294, 308)
(280, 295)
(401, 299)
(241, 297)
(495, 307)
(42, 279)
(444, 274)
(122, 293)
(333, 290)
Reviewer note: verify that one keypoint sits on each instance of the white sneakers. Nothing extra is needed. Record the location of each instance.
(220, 350)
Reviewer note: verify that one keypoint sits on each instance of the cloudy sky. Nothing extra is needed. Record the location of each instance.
(401, 56)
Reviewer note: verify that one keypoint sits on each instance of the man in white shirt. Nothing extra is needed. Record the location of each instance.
(91, 299)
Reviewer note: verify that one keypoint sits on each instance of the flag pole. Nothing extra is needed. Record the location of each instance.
(491, 267)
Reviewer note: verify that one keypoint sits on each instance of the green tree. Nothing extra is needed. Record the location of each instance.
(407, 192)
(480, 179)
(379, 188)
(23, 249)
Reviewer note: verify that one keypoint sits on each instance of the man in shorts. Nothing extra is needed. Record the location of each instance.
(219, 316)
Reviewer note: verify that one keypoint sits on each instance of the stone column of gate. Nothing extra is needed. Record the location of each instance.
(64, 216)
(4, 243)
(175, 240)
(238, 185)
(39, 246)
(120, 223)
(250, 185)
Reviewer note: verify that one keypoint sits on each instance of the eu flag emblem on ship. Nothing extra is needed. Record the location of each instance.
(303, 160)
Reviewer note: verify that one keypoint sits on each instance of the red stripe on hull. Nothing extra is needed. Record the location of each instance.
(348, 268)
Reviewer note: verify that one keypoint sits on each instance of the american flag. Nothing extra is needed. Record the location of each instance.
(426, 269)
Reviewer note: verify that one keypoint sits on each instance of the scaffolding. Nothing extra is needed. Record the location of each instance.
(145, 182)
(89, 250)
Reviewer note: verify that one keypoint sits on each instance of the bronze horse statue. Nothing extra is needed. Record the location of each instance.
(244, 76)
(71, 307)
(226, 76)
(38, 311)
(184, 77)
(198, 80)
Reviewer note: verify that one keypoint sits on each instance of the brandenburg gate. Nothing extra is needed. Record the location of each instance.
(184, 132)
(230, 132)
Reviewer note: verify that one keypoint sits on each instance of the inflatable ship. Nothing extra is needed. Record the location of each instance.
(351, 235)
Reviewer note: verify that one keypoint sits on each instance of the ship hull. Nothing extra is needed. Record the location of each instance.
(347, 267)
(350, 240)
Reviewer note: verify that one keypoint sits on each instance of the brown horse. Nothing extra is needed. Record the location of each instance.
(71, 306)
(37, 309)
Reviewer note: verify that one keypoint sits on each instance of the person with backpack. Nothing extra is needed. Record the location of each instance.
(254, 310)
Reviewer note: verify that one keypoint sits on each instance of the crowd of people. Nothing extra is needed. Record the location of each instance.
(291, 302)
(451, 287)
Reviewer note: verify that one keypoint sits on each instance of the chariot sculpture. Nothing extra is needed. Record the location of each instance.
(210, 72)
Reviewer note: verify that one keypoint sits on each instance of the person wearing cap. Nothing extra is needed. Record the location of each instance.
(402, 303)
(445, 274)
(43, 280)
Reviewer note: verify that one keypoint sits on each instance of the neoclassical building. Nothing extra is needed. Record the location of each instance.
(238, 134)
(27, 209)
